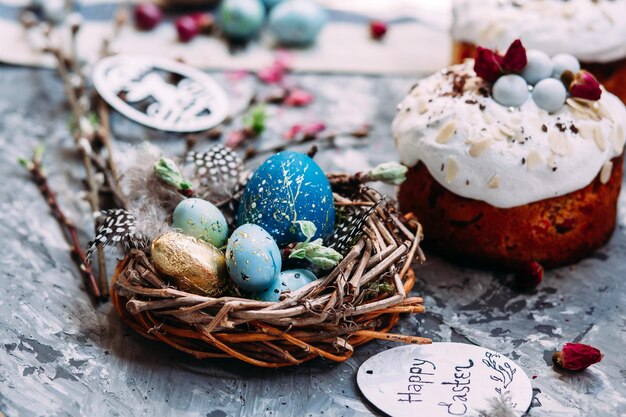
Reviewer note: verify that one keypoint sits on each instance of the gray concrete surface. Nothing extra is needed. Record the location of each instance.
(61, 357)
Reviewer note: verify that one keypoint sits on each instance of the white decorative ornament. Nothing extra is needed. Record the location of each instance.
(443, 380)
(137, 87)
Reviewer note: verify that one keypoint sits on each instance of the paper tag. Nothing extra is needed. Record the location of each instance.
(161, 93)
(442, 380)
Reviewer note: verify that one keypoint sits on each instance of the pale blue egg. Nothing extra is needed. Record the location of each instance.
(288, 280)
(562, 62)
(539, 66)
(253, 260)
(549, 94)
(241, 19)
(296, 22)
(199, 218)
(53, 10)
(510, 90)
(287, 188)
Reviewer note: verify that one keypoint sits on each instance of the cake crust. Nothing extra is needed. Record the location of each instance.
(554, 232)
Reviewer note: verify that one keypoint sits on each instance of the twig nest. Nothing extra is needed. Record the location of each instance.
(191, 264)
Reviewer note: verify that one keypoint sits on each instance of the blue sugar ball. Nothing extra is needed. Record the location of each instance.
(549, 94)
(287, 188)
(296, 22)
(253, 260)
(291, 280)
(510, 90)
(562, 62)
(539, 67)
(199, 218)
(241, 19)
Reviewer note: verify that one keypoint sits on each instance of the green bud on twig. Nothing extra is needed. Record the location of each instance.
(169, 173)
(316, 253)
(255, 120)
(388, 172)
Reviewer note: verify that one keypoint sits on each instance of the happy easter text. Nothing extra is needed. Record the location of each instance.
(421, 376)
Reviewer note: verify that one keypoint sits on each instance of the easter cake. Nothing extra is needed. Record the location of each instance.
(593, 31)
(274, 267)
(510, 164)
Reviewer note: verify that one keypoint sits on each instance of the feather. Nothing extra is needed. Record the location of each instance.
(216, 171)
(116, 229)
(142, 186)
(349, 227)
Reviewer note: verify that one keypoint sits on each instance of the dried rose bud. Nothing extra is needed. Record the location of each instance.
(529, 275)
(187, 28)
(298, 98)
(585, 86)
(487, 64)
(576, 356)
(147, 16)
(272, 75)
(205, 21)
(514, 59)
(378, 29)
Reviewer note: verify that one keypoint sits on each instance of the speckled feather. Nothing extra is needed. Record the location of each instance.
(217, 171)
(117, 229)
(349, 228)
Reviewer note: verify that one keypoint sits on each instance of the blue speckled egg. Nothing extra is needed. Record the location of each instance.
(271, 3)
(289, 280)
(287, 188)
(199, 218)
(296, 22)
(241, 19)
(253, 259)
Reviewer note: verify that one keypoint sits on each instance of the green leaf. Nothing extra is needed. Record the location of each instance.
(25, 163)
(256, 119)
(316, 253)
(38, 152)
(389, 172)
(169, 173)
(307, 228)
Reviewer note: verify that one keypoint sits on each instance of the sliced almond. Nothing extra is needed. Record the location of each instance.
(618, 143)
(422, 107)
(533, 159)
(605, 172)
(599, 138)
(507, 131)
(515, 122)
(558, 143)
(446, 132)
(602, 110)
(494, 182)
(582, 107)
(453, 169)
(488, 118)
(586, 132)
(479, 147)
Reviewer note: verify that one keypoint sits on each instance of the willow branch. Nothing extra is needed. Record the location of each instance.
(70, 233)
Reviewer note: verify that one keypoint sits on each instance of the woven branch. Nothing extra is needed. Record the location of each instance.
(350, 306)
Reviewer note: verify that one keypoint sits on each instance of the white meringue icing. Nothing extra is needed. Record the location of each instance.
(593, 31)
(507, 157)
